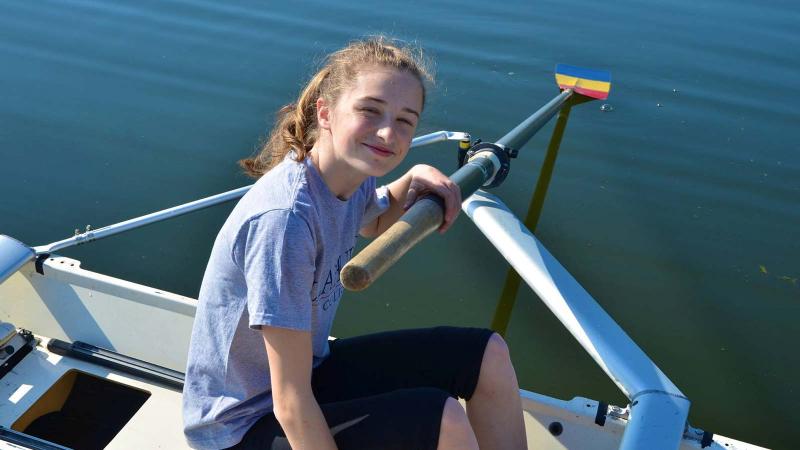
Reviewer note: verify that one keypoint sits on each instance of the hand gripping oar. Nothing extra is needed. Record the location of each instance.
(424, 216)
(487, 165)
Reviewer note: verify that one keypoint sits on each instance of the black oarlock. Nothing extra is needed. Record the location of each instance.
(503, 155)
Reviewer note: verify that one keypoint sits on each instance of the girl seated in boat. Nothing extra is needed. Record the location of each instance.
(261, 371)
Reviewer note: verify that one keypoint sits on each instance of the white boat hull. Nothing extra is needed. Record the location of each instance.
(69, 303)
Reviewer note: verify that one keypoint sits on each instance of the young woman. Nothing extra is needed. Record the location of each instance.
(261, 371)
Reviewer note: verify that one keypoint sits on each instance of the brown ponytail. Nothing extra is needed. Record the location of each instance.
(296, 123)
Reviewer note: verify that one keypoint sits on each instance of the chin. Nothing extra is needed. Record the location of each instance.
(373, 169)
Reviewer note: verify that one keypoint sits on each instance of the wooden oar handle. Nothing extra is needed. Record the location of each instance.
(424, 217)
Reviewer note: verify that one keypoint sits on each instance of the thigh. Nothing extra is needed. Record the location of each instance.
(402, 419)
(447, 358)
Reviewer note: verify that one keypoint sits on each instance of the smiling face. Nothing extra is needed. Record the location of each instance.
(369, 129)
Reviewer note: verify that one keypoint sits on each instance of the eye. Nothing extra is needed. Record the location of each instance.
(406, 121)
(368, 110)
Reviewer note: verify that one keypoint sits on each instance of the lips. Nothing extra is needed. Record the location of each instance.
(380, 151)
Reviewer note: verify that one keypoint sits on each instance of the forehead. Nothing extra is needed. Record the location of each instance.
(398, 88)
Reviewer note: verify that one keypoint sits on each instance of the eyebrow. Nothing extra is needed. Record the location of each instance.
(382, 101)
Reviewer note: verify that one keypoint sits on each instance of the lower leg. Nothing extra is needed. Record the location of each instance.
(495, 409)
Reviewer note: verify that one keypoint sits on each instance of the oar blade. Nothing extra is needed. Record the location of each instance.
(589, 82)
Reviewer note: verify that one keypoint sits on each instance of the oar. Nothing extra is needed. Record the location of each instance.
(593, 84)
(487, 165)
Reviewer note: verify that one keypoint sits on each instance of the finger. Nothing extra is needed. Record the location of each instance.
(455, 200)
(452, 205)
(456, 193)
(411, 196)
(446, 196)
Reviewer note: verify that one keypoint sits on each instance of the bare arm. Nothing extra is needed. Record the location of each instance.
(297, 411)
(414, 184)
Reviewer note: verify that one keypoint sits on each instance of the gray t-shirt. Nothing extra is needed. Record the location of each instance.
(275, 262)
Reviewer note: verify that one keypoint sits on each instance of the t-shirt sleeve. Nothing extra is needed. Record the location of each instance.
(277, 253)
(377, 201)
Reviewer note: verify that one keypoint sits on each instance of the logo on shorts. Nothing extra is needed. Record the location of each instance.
(282, 442)
(346, 425)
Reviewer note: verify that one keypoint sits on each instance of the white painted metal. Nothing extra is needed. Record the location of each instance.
(13, 255)
(579, 431)
(655, 417)
(439, 136)
(141, 221)
(659, 417)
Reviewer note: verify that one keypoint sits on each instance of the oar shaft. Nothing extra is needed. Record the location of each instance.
(522, 133)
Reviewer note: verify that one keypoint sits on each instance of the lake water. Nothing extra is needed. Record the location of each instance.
(678, 210)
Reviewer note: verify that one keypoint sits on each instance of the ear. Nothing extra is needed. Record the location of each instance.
(323, 114)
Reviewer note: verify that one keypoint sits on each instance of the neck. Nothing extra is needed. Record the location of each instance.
(341, 179)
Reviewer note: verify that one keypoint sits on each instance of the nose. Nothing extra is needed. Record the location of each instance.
(386, 131)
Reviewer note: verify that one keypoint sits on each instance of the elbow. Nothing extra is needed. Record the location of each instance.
(367, 234)
(286, 414)
(370, 231)
(288, 410)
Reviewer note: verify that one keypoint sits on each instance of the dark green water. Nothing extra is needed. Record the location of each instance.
(681, 219)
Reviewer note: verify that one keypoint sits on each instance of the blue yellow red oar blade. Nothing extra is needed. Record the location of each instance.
(589, 82)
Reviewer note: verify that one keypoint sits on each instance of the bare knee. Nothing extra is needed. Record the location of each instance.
(496, 367)
(497, 349)
(455, 431)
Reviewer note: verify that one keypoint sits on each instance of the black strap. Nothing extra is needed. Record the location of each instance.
(40, 263)
(118, 361)
(602, 411)
(708, 439)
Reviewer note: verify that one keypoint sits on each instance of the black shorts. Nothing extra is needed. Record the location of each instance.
(387, 390)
